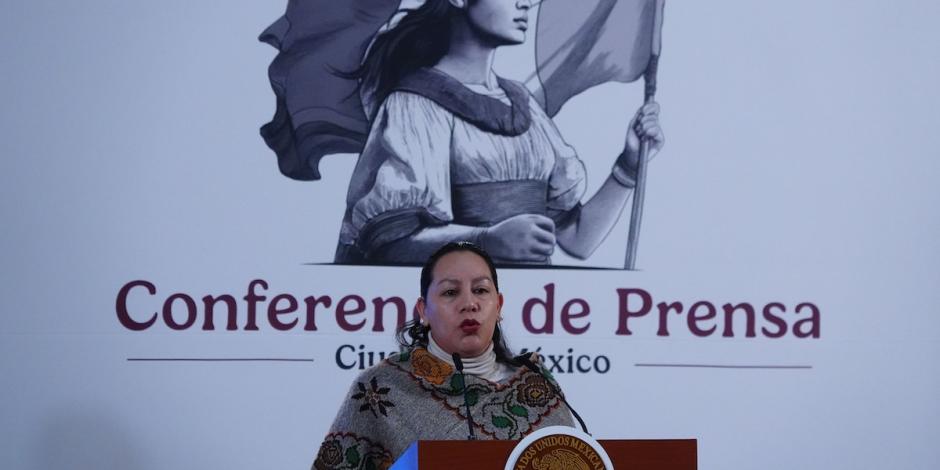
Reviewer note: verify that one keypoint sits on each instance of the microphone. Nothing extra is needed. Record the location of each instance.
(524, 360)
(458, 364)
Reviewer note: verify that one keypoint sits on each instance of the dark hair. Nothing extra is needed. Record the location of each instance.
(414, 334)
(420, 40)
(428, 270)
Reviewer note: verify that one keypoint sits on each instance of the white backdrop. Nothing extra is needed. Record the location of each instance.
(800, 166)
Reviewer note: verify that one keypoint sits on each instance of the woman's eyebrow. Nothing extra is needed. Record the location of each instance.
(457, 281)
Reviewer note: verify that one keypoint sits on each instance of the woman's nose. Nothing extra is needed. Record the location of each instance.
(469, 304)
(526, 4)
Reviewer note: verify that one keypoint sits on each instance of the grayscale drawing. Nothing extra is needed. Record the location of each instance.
(448, 150)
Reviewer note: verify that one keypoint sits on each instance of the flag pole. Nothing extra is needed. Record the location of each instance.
(639, 193)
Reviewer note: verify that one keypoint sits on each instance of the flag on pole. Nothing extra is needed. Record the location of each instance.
(580, 44)
(589, 42)
(318, 107)
(584, 43)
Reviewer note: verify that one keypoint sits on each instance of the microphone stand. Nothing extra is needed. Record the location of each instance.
(524, 360)
(458, 364)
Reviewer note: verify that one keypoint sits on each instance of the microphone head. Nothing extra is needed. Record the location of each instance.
(524, 360)
(457, 362)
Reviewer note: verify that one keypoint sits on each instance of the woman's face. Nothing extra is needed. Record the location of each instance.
(499, 22)
(462, 304)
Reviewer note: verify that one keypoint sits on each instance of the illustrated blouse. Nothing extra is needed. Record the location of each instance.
(440, 153)
(417, 396)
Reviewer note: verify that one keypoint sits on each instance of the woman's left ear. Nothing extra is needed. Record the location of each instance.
(499, 308)
(419, 306)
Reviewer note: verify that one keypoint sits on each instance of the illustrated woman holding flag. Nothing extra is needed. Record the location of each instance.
(455, 152)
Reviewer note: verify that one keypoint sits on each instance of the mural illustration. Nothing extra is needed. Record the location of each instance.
(449, 150)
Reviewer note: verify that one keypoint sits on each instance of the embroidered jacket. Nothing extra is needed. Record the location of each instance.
(415, 396)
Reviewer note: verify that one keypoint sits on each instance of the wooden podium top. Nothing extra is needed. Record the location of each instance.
(652, 454)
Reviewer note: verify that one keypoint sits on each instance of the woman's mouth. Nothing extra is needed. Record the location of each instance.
(522, 23)
(469, 326)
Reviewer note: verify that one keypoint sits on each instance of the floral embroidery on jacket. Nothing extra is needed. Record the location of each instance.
(349, 451)
(428, 367)
(373, 398)
(508, 410)
(534, 391)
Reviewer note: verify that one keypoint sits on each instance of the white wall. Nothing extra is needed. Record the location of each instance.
(801, 166)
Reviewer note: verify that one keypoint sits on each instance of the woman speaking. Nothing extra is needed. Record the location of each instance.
(457, 153)
(420, 393)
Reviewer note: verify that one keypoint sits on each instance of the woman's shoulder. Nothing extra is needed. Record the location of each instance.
(377, 380)
(388, 364)
(534, 362)
(411, 101)
(395, 363)
(486, 112)
(405, 110)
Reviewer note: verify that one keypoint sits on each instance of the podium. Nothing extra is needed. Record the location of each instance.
(669, 454)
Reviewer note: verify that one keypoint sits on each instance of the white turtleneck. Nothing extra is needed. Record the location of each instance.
(483, 366)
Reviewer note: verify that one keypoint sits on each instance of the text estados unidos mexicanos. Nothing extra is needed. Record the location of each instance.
(638, 312)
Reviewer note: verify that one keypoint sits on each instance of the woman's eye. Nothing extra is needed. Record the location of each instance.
(449, 292)
(481, 290)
